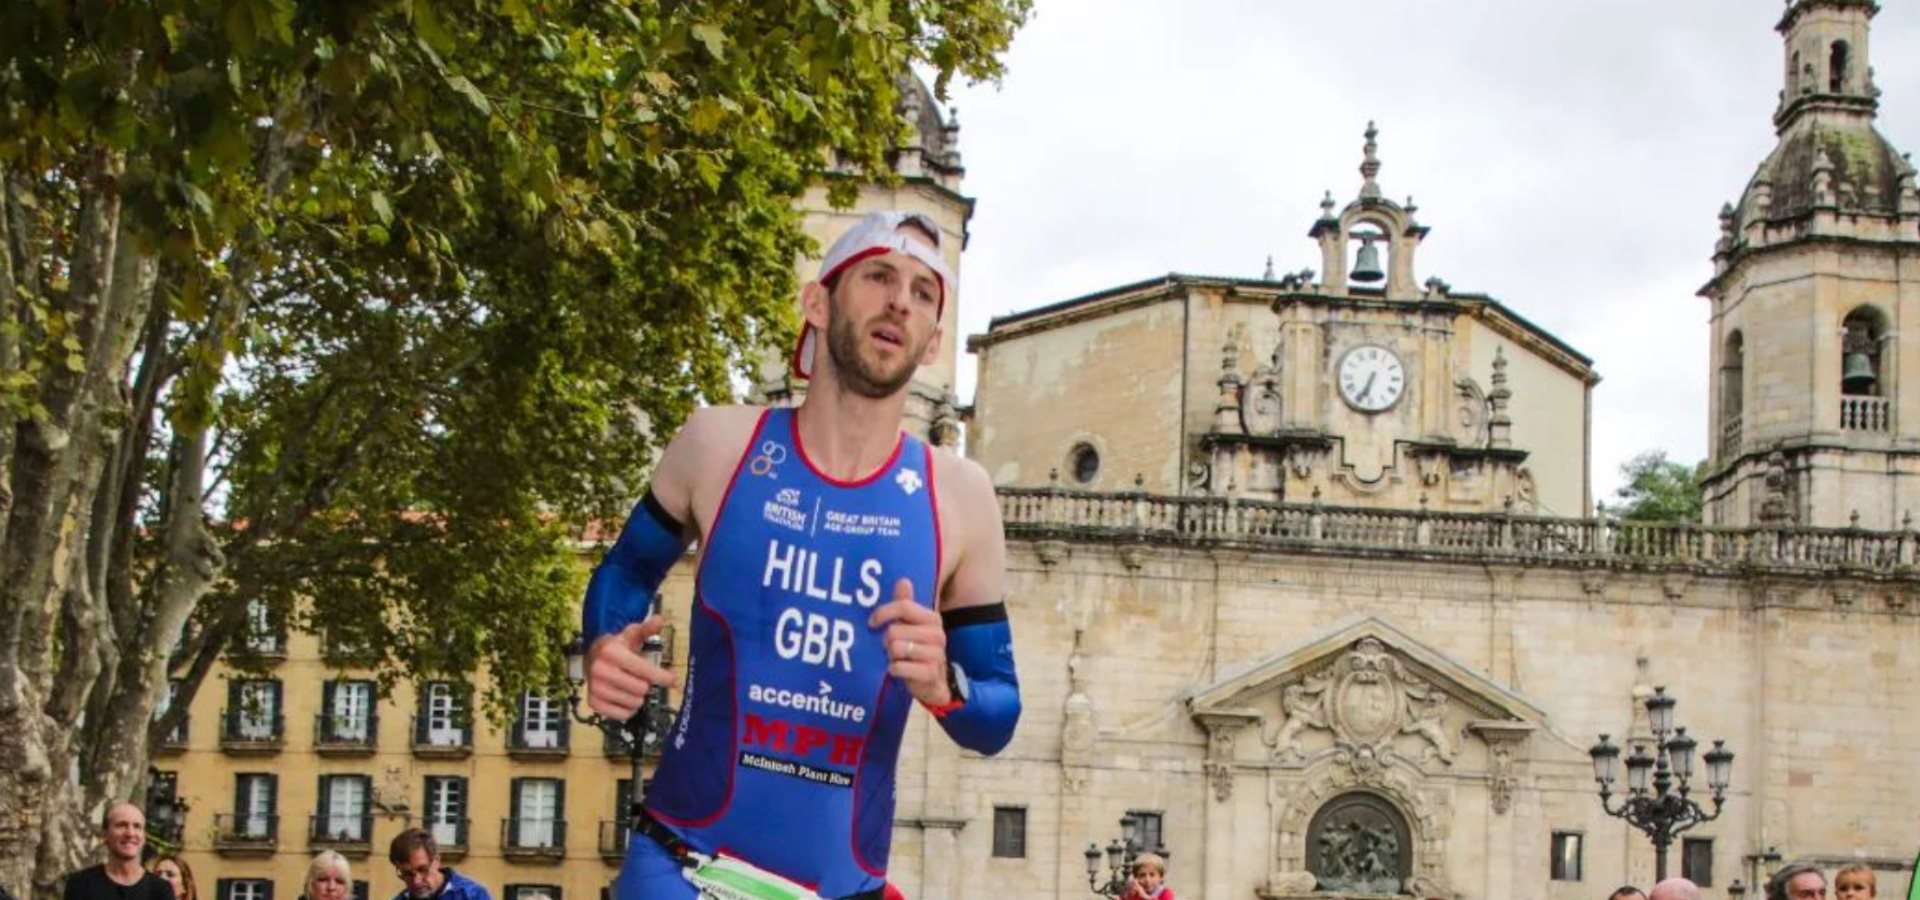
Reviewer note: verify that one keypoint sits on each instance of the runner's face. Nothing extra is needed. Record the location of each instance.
(1148, 878)
(883, 316)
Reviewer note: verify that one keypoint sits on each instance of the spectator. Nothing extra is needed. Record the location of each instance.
(416, 859)
(177, 873)
(1797, 882)
(124, 830)
(1855, 882)
(1674, 889)
(329, 877)
(1627, 892)
(1149, 879)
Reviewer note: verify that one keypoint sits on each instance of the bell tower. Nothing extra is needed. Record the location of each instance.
(1815, 411)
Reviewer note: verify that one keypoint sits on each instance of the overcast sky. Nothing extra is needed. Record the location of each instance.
(1571, 157)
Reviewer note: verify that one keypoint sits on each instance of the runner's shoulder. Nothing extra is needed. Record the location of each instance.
(967, 497)
(960, 477)
(719, 429)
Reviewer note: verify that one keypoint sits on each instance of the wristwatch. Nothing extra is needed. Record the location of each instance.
(959, 690)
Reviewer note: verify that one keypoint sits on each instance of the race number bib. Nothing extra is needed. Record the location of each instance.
(724, 878)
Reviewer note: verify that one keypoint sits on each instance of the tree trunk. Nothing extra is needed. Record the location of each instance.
(42, 551)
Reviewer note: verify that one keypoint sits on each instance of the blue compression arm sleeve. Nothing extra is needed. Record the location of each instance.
(623, 585)
(980, 642)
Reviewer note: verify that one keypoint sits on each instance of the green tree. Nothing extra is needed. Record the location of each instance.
(368, 303)
(1658, 489)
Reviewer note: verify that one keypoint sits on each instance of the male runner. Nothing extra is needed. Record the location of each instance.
(846, 569)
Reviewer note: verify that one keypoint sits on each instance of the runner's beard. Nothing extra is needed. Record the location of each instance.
(856, 371)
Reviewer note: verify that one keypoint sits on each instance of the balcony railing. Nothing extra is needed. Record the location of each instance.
(1042, 514)
(349, 834)
(176, 740)
(1730, 435)
(613, 839)
(337, 735)
(242, 732)
(523, 743)
(533, 839)
(261, 646)
(440, 743)
(240, 834)
(1863, 413)
(449, 834)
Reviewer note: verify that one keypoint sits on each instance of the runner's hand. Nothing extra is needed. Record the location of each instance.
(618, 676)
(916, 644)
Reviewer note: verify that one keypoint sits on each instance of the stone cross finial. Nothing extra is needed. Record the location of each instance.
(952, 129)
(1370, 167)
(1226, 412)
(1499, 424)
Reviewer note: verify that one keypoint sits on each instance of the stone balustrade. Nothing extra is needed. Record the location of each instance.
(1141, 517)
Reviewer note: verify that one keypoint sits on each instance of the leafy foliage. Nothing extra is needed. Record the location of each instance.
(1659, 489)
(408, 288)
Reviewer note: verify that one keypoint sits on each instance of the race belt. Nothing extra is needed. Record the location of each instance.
(725, 877)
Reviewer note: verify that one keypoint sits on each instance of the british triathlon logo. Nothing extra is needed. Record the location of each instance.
(767, 461)
(784, 510)
(908, 480)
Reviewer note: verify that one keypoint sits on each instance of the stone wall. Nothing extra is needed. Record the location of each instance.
(1157, 670)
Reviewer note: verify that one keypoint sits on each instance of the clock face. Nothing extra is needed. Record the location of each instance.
(1371, 378)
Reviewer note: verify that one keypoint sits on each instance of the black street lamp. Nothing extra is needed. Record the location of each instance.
(649, 723)
(1119, 857)
(166, 814)
(1658, 783)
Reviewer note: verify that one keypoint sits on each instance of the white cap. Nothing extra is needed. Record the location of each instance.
(875, 234)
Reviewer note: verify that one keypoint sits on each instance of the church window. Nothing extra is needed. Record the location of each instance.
(1568, 847)
(1696, 860)
(1837, 68)
(1142, 830)
(1084, 463)
(1732, 396)
(1010, 832)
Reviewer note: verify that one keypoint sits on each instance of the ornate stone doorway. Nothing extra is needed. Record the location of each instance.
(1359, 843)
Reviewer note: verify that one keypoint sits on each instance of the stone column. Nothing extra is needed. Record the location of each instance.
(1218, 857)
(1505, 740)
(942, 873)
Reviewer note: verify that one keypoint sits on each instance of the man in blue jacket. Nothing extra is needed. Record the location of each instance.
(416, 859)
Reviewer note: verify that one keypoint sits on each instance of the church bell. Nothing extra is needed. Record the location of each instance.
(1367, 266)
(1856, 377)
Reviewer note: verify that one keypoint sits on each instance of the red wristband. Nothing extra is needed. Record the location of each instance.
(940, 712)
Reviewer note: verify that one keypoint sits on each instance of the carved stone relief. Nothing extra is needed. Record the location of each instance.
(1358, 842)
(1260, 411)
(1470, 413)
(1366, 698)
(1427, 812)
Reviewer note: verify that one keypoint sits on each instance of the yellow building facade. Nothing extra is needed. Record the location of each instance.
(294, 754)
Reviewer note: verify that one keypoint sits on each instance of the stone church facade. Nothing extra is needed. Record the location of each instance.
(1308, 584)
